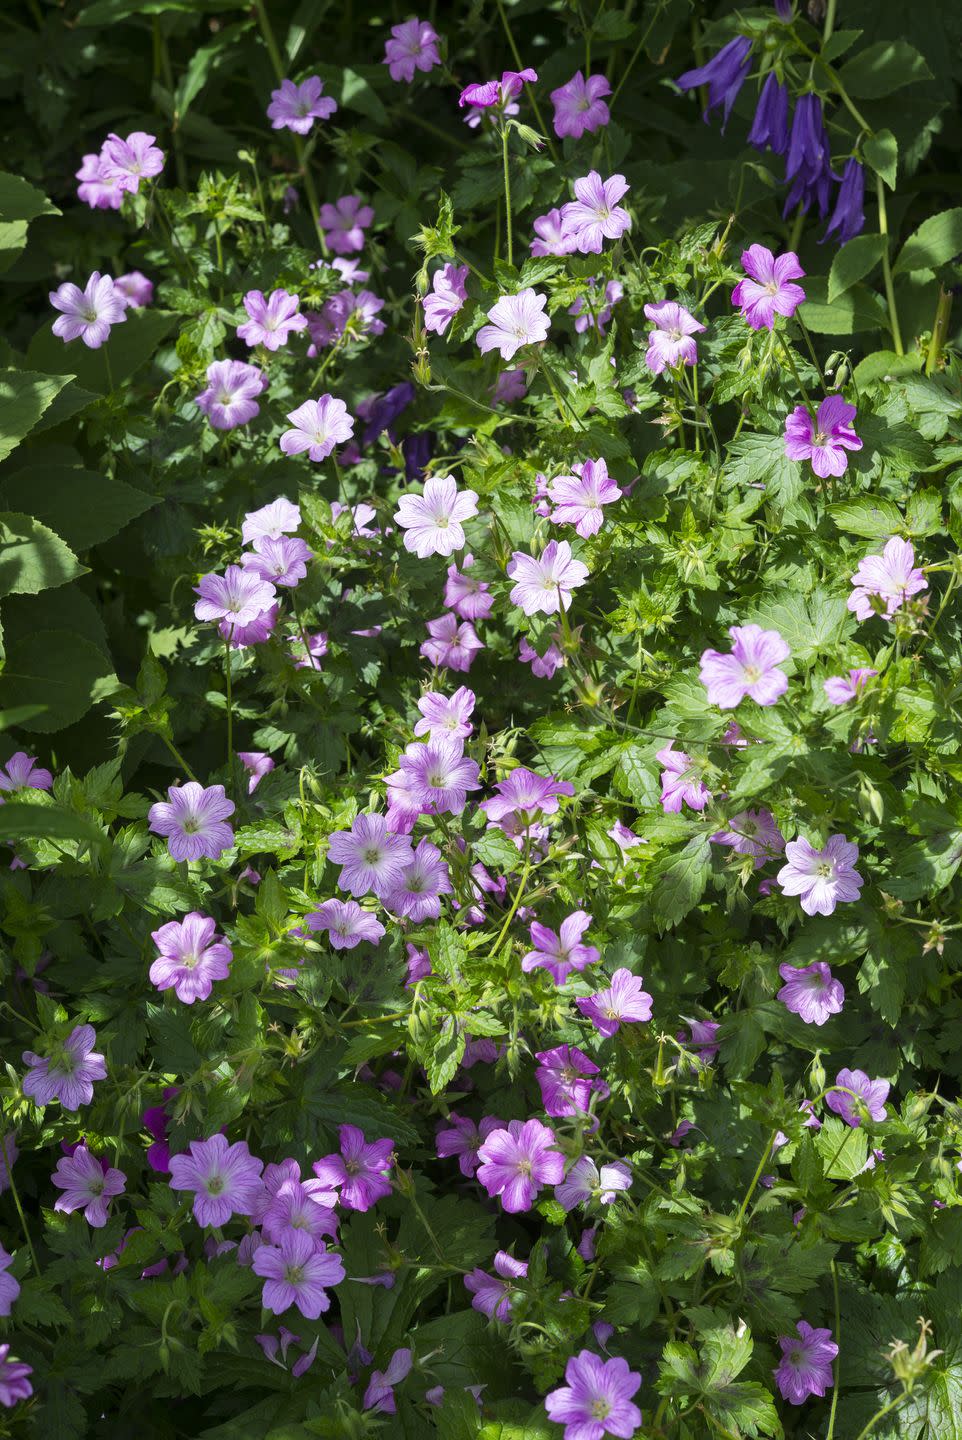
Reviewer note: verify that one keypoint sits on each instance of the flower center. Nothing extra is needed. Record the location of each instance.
(294, 1274)
(352, 1167)
(524, 1168)
(820, 438)
(372, 855)
(823, 869)
(190, 960)
(751, 673)
(600, 1408)
(96, 1187)
(215, 1185)
(90, 314)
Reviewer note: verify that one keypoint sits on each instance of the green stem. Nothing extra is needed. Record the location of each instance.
(811, 348)
(796, 231)
(794, 369)
(844, 1142)
(755, 1179)
(179, 758)
(507, 192)
(8, 1165)
(880, 1415)
(110, 373)
(634, 55)
(883, 226)
(940, 329)
(268, 34)
(838, 1341)
(531, 95)
(230, 707)
(829, 22)
(517, 896)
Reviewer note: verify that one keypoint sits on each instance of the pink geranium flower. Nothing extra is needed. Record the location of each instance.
(866, 1096)
(768, 290)
(238, 596)
(883, 583)
(579, 498)
(544, 583)
(567, 1080)
(560, 952)
(100, 186)
(840, 689)
(88, 1184)
(492, 1293)
(680, 783)
(516, 320)
(751, 668)
(273, 320)
(448, 294)
(595, 216)
(361, 1172)
(468, 597)
(23, 773)
(68, 1073)
(579, 105)
(825, 439)
(319, 426)
(434, 521)
(271, 521)
(464, 1139)
(811, 992)
(752, 832)
(596, 1400)
(452, 645)
(296, 107)
(194, 820)
(344, 223)
(190, 957)
(346, 923)
(413, 46)
(544, 666)
(231, 395)
(552, 235)
(671, 342)
(370, 856)
(225, 1179)
(132, 160)
(134, 288)
(585, 1181)
(89, 313)
(296, 1272)
(444, 715)
(624, 1002)
(517, 1161)
(9, 1286)
(821, 878)
(806, 1364)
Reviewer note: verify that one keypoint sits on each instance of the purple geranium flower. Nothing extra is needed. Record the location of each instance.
(469, 598)
(552, 236)
(752, 832)
(135, 288)
(273, 319)
(585, 1182)
(231, 395)
(543, 583)
(560, 952)
(446, 715)
(360, 1172)
(588, 310)
(883, 583)
(680, 784)
(488, 93)
(433, 522)
(578, 498)
(10, 1287)
(544, 666)
(822, 878)
(344, 224)
(825, 439)
(452, 645)
(194, 819)
(448, 294)
(346, 923)
(319, 426)
(624, 1002)
(371, 857)
(88, 314)
(191, 956)
(566, 1077)
(806, 1364)
(132, 160)
(516, 320)
(492, 1293)
(811, 992)
(768, 290)
(23, 773)
(280, 562)
(579, 105)
(596, 1401)
(379, 1395)
(423, 880)
(840, 689)
(413, 46)
(238, 596)
(751, 668)
(517, 1161)
(295, 1272)
(88, 1184)
(724, 74)
(14, 1385)
(465, 1138)
(225, 1179)
(271, 521)
(68, 1073)
(100, 186)
(435, 777)
(524, 795)
(770, 125)
(671, 343)
(296, 107)
(870, 1096)
(595, 215)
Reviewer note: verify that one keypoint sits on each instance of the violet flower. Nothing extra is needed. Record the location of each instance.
(825, 439)
(821, 878)
(492, 1293)
(751, 668)
(88, 1184)
(296, 107)
(624, 1002)
(671, 342)
(770, 125)
(413, 45)
(596, 1400)
(68, 1073)
(848, 217)
(559, 952)
(89, 313)
(579, 106)
(231, 395)
(871, 1096)
(360, 1173)
(811, 992)
(225, 1179)
(724, 74)
(768, 289)
(808, 165)
(191, 956)
(883, 583)
(517, 1161)
(806, 1365)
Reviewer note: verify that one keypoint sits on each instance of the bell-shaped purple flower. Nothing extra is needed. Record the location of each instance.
(809, 162)
(770, 126)
(848, 217)
(725, 74)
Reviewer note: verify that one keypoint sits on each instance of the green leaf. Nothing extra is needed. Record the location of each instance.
(32, 557)
(886, 365)
(681, 882)
(86, 507)
(19, 200)
(204, 62)
(854, 261)
(856, 310)
(869, 516)
(873, 74)
(24, 396)
(843, 1148)
(34, 820)
(130, 346)
(58, 670)
(761, 459)
(881, 151)
(936, 241)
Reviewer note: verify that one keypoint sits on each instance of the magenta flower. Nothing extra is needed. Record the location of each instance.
(446, 715)
(135, 289)
(413, 46)
(579, 498)
(768, 291)
(370, 856)
(237, 597)
(492, 1293)
(517, 1161)
(316, 650)
(433, 522)
(585, 1182)
(595, 216)
(566, 1077)
(132, 160)
(191, 956)
(452, 645)
(623, 1003)
(296, 107)
(280, 562)
(9, 1286)
(624, 838)
(319, 426)
(883, 583)
(822, 878)
(225, 1179)
(806, 1364)
(552, 236)
(751, 668)
(544, 666)
(448, 294)
(596, 1401)
(588, 311)
(811, 992)
(344, 224)
(23, 773)
(516, 320)
(824, 440)
(346, 923)
(543, 583)
(14, 1385)
(231, 395)
(469, 598)
(272, 521)
(379, 1395)
(424, 879)
(68, 1073)
(297, 1207)
(702, 1039)
(752, 832)
(524, 795)
(560, 952)
(869, 1097)
(435, 777)
(579, 106)
(489, 93)
(194, 820)
(671, 343)
(99, 186)
(88, 314)
(840, 689)
(295, 1272)
(88, 1184)
(272, 320)
(464, 1139)
(360, 1172)
(680, 784)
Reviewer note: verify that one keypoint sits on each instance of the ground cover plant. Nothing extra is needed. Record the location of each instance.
(480, 501)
